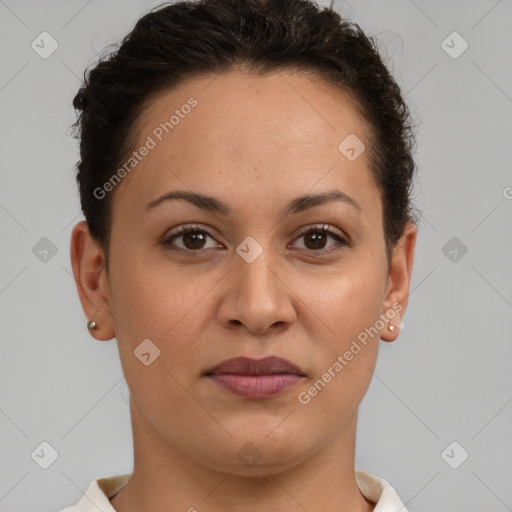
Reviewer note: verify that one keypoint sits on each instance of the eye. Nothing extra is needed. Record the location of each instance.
(193, 238)
(316, 238)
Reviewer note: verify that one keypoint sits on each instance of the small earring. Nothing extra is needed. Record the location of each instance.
(92, 326)
(392, 328)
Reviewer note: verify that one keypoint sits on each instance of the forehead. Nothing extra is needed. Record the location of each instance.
(293, 106)
(247, 131)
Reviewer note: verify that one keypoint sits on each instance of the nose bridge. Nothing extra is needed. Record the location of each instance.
(256, 268)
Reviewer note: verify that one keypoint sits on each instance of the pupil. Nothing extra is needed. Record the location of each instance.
(317, 239)
(194, 238)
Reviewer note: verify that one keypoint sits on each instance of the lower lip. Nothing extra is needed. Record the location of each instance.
(256, 386)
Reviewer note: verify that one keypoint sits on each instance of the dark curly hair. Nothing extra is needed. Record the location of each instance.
(176, 41)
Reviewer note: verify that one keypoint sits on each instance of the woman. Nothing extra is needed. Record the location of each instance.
(245, 174)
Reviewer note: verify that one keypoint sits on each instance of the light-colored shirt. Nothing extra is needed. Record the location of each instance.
(96, 497)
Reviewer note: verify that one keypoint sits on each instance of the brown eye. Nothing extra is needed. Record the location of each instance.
(192, 239)
(316, 239)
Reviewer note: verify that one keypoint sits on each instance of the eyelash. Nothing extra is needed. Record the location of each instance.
(324, 229)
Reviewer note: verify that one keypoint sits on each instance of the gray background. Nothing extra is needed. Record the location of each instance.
(447, 378)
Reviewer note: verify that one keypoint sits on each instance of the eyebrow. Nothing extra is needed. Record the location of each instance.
(297, 205)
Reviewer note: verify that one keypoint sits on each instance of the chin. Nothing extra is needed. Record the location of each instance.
(262, 467)
(255, 453)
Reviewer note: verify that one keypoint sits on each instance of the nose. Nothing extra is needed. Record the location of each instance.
(257, 296)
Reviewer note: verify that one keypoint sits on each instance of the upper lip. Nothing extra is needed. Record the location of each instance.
(246, 366)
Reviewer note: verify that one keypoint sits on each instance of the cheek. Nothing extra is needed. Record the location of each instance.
(344, 300)
(163, 303)
(343, 310)
(152, 298)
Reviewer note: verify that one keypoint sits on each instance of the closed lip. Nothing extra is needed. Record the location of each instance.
(271, 365)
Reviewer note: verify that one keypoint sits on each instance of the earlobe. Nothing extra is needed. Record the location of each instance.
(393, 330)
(88, 264)
(399, 279)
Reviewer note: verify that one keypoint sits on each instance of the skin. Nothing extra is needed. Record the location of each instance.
(256, 143)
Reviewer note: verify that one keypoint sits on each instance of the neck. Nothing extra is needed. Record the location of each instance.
(164, 477)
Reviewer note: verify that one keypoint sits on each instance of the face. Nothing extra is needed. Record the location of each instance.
(260, 273)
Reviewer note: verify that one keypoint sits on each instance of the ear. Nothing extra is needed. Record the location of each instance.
(400, 271)
(88, 263)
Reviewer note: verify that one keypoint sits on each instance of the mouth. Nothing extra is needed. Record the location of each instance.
(256, 378)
